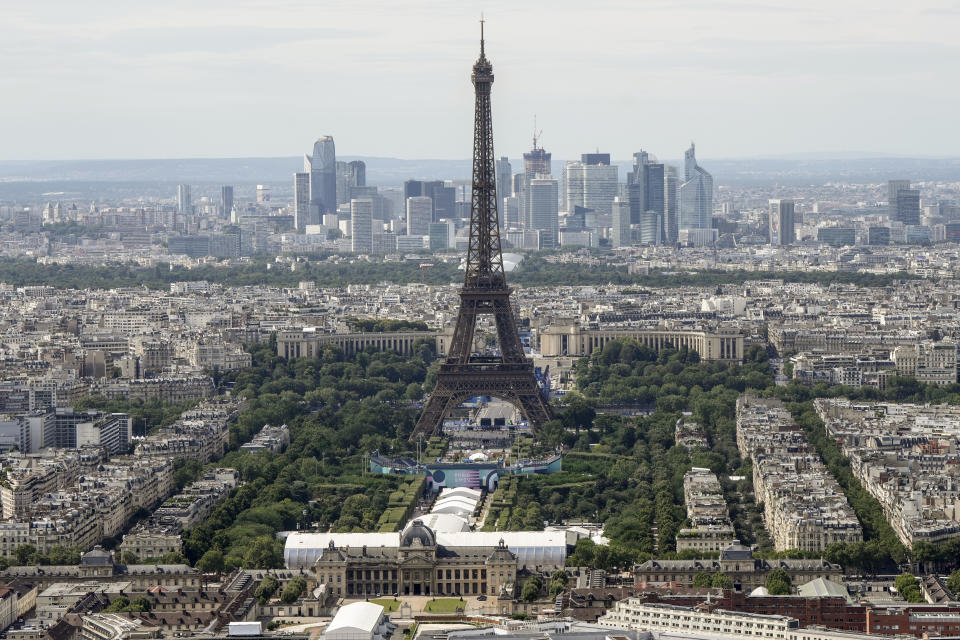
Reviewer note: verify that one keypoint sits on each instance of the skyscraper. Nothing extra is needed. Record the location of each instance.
(443, 197)
(595, 158)
(226, 201)
(544, 209)
(645, 187)
(782, 229)
(302, 211)
(184, 202)
(358, 173)
(350, 175)
(893, 188)
(591, 186)
(504, 180)
(361, 225)
(537, 162)
(511, 212)
(412, 189)
(671, 195)
(696, 194)
(651, 228)
(621, 236)
(908, 206)
(322, 167)
(419, 215)
(441, 235)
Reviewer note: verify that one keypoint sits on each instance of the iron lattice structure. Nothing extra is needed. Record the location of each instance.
(465, 375)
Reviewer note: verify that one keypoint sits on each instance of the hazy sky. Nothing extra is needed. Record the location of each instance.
(97, 79)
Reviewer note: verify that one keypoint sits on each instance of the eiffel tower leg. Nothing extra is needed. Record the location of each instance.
(437, 408)
(534, 408)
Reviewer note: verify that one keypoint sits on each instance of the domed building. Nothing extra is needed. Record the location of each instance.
(417, 566)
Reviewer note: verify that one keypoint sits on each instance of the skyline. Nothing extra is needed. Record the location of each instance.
(182, 84)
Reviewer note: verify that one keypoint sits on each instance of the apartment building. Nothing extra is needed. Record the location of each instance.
(804, 507)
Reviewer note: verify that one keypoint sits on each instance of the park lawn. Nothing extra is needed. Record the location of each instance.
(389, 604)
(445, 605)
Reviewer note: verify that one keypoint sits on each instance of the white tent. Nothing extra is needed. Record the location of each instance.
(356, 621)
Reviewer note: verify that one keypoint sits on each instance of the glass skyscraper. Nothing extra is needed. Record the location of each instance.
(322, 167)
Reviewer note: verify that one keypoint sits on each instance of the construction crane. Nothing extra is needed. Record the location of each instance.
(423, 266)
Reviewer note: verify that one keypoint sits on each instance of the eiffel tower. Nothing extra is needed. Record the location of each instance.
(465, 375)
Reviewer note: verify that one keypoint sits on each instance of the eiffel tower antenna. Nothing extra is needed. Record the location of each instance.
(481, 34)
(464, 375)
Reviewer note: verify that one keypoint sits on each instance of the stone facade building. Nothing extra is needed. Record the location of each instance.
(419, 566)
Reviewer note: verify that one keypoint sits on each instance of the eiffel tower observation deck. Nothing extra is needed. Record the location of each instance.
(464, 375)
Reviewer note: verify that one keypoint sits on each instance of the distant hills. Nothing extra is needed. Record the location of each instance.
(28, 180)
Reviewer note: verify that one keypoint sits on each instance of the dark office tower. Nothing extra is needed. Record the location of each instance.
(880, 236)
(671, 194)
(782, 229)
(358, 173)
(504, 180)
(645, 188)
(412, 189)
(893, 188)
(226, 201)
(444, 202)
(595, 158)
(908, 206)
(302, 211)
(322, 167)
(621, 231)
(636, 191)
(654, 188)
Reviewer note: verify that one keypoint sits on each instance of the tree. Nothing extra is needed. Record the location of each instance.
(579, 414)
(583, 553)
(778, 582)
(118, 605)
(558, 582)
(953, 582)
(294, 589)
(552, 432)
(129, 557)
(64, 555)
(25, 554)
(702, 579)
(531, 589)
(138, 604)
(267, 587)
(908, 586)
(721, 581)
(263, 553)
(211, 561)
(174, 557)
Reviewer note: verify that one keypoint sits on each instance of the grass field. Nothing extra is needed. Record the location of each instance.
(389, 604)
(445, 605)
